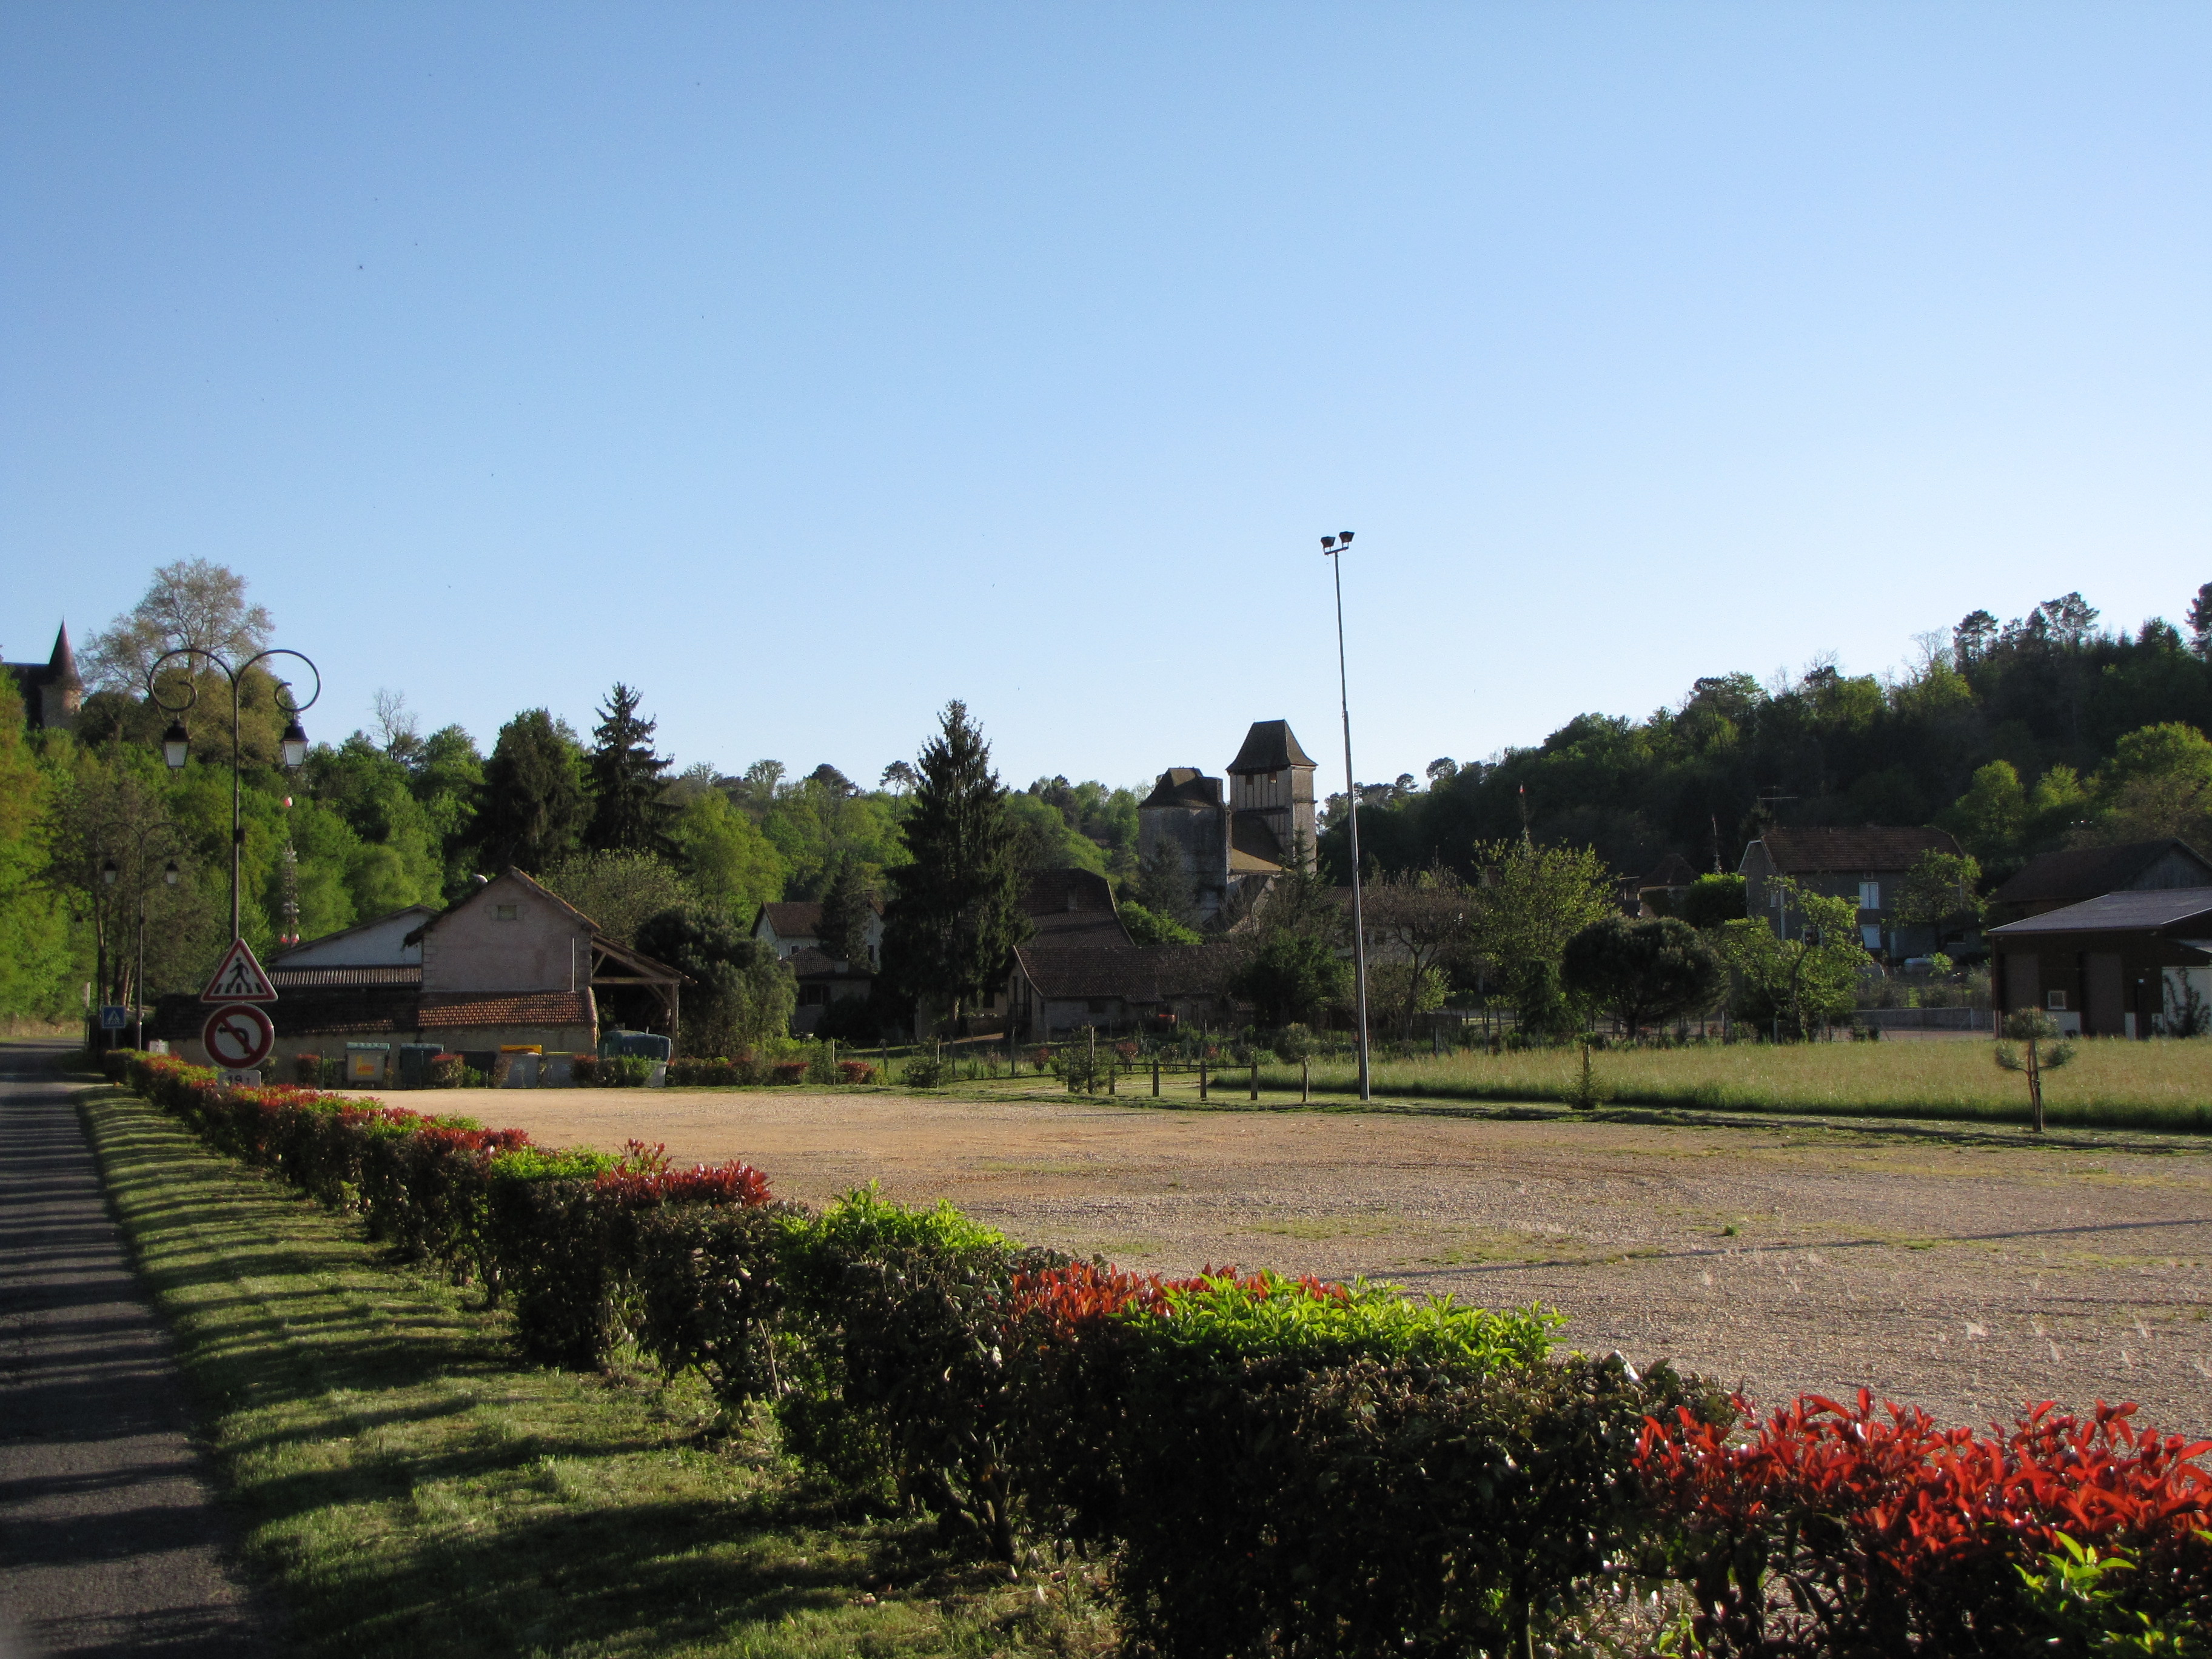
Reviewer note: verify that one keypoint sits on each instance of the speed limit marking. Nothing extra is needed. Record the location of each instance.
(239, 1036)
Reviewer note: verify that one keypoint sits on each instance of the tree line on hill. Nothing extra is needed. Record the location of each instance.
(2019, 737)
(393, 815)
(2022, 736)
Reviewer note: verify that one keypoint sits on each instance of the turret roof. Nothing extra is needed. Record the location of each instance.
(1269, 746)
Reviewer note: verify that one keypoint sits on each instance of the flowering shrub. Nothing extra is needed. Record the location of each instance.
(855, 1071)
(1840, 1530)
(447, 1071)
(584, 1068)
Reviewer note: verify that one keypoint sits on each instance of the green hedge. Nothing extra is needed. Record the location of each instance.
(1269, 1465)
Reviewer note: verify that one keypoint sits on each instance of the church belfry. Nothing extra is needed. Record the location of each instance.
(1271, 782)
(1242, 837)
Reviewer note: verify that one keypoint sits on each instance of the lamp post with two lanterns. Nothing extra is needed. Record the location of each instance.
(176, 742)
(111, 874)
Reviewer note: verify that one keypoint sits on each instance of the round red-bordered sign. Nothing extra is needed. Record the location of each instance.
(238, 1036)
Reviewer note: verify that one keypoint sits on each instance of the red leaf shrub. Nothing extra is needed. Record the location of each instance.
(787, 1071)
(855, 1071)
(1883, 1533)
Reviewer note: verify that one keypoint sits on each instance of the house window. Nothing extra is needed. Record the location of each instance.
(2057, 1002)
(1099, 1005)
(503, 912)
(1869, 896)
(813, 996)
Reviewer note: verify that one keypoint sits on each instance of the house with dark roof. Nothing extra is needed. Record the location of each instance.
(53, 690)
(1059, 987)
(2128, 964)
(1864, 862)
(2054, 880)
(1233, 841)
(789, 927)
(510, 965)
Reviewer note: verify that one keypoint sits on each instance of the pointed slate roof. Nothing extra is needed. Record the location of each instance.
(1269, 746)
(61, 667)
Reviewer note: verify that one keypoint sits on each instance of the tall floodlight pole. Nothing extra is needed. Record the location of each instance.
(176, 742)
(1331, 547)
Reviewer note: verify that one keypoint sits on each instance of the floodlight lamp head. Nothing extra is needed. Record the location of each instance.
(1344, 537)
(1328, 545)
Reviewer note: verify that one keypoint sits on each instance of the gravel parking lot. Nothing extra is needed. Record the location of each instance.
(1956, 1267)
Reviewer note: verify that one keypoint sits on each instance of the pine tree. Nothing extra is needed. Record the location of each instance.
(845, 914)
(534, 798)
(955, 915)
(627, 812)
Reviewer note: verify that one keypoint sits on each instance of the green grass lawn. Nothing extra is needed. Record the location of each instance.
(406, 1486)
(2162, 1083)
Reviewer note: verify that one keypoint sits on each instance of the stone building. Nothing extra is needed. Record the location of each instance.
(53, 692)
(1865, 862)
(1233, 841)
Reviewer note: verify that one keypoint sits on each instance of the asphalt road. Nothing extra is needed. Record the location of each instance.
(111, 1541)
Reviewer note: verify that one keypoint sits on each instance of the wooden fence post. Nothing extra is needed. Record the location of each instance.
(1156, 1077)
(1201, 1075)
(1255, 1076)
(1305, 1080)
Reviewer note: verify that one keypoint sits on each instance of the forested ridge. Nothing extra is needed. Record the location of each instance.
(2018, 737)
(394, 815)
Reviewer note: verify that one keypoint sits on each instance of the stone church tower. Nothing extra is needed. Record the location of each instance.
(1232, 843)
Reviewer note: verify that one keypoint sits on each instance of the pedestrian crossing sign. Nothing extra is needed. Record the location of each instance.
(240, 979)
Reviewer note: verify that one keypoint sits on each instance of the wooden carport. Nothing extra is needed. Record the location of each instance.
(615, 963)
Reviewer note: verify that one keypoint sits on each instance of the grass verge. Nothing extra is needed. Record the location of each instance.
(2164, 1084)
(408, 1488)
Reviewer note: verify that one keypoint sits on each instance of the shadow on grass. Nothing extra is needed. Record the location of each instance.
(412, 1488)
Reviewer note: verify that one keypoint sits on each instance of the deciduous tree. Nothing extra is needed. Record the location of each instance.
(192, 602)
(620, 892)
(741, 996)
(534, 807)
(1643, 973)
(1424, 921)
(1939, 892)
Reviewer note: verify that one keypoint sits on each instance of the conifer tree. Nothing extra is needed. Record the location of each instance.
(955, 915)
(627, 812)
(845, 912)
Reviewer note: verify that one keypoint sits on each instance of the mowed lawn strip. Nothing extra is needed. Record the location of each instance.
(409, 1488)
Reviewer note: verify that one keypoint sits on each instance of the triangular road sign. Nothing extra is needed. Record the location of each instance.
(241, 978)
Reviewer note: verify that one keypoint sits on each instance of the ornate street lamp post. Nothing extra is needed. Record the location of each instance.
(1331, 548)
(170, 872)
(176, 742)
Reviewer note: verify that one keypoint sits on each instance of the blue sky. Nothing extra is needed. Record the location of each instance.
(807, 365)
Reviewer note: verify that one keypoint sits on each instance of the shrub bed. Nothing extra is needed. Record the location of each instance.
(1268, 1465)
